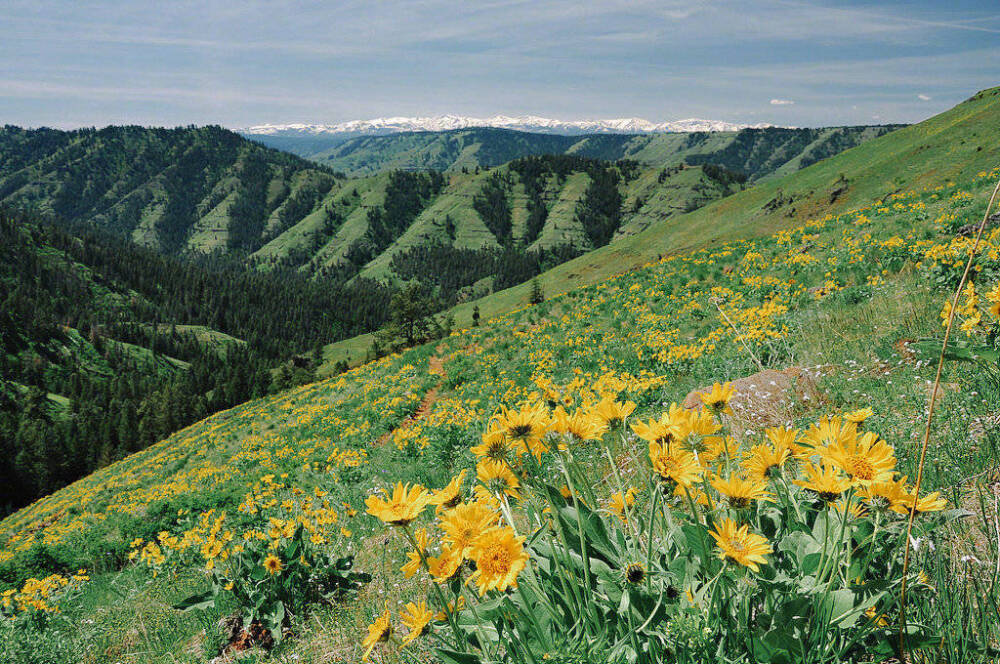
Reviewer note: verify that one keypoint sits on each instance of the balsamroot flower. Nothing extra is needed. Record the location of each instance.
(865, 459)
(830, 431)
(825, 481)
(619, 503)
(932, 502)
(859, 416)
(581, 424)
(993, 297)
(888, 495)
(415, 556)
(450, 495)
(499, 556)
(740, 491)
(674, 464)
(764, 460)
(635, 573)
(378, 632)
(524, 428)
(613, 413)
(461, 525)
(273, 564)
(661, 431)
(496, 479)
(416, 617)
(443, 568)
(738, 544)
(405, 504)
(717, 399)
(785, 439)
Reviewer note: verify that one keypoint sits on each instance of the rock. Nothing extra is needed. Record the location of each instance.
(970, 230)
(767, 397)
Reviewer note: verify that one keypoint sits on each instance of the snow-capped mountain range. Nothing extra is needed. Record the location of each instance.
(530, 123)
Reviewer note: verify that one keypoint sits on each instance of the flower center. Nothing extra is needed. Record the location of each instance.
(519, 431)
(861, 468)
(495, 561)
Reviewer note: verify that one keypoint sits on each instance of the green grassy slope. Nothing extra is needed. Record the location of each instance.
(951, 145)
(841, 285)
(324, 238)
(755, 152)
(210, 190)
(448, 150)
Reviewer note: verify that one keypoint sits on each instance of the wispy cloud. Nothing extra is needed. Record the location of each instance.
(297, 60)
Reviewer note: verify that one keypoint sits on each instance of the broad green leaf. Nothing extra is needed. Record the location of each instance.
(455, 657)
(197, 602)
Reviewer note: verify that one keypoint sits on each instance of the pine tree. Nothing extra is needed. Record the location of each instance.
(475, 316)
(537, 297)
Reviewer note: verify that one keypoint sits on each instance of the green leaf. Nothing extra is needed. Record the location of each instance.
(805, 549)
(197, 602)
(624, 603)
(277, 619)
(456, 657)
(960, 350)
(917, 637)
(695, 538)
(848, 606)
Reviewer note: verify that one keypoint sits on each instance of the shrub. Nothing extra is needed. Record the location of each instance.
(270, 575)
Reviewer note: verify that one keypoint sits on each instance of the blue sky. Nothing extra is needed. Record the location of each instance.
(242, 62)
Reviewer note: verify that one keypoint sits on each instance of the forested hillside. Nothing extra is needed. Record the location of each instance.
(463, 233)
(198, 188)
(106, 346)
(754, 152)
(467, 234)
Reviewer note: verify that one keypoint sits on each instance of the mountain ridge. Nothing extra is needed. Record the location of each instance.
(205, 190)
(530, 123)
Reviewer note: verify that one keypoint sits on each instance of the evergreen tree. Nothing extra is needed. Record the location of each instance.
(537, 297)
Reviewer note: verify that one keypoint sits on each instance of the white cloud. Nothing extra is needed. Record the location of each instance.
(924, 97)
(781, 102)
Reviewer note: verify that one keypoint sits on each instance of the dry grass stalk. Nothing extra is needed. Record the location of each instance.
(930, 416)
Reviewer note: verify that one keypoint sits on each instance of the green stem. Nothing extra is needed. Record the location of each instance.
(649, 533)
(440, 595)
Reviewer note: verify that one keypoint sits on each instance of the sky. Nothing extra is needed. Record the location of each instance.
(243, 62)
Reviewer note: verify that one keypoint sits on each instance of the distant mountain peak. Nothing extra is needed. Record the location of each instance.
(531, 123)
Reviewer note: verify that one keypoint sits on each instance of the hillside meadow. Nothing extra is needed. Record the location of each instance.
(846, 299)
(950, 147)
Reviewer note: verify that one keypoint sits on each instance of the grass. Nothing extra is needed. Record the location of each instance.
(205, 335)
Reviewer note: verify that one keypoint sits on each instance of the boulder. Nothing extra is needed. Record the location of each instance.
(766, 398)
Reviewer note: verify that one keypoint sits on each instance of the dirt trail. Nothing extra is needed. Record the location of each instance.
(435, 365)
